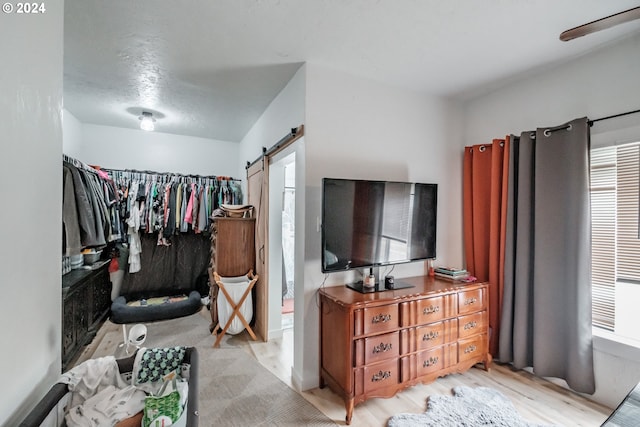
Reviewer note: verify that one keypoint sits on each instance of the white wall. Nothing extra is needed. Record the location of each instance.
(120, 148)
(357, 128)
(284, 113)
(596, 85)
(31, 217)
(72, 135)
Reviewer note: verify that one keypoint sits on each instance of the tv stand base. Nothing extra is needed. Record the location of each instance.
(379, 287)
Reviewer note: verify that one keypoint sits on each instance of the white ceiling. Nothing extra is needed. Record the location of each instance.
(209, 68)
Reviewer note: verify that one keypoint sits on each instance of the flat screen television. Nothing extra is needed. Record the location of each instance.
(367, 224)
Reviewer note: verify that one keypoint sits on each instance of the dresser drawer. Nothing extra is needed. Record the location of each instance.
(430, 336)
(377, 348)
(376, 319)
(380, 375)
(472, 324)
(430, 361)
(431, 309)
(471, 301)
(472, 348)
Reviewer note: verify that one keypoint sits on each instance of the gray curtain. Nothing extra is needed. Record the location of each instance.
(546, 317)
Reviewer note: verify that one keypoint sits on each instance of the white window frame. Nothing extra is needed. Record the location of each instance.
(608, 340)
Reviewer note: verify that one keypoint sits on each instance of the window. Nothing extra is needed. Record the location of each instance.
(615, 191)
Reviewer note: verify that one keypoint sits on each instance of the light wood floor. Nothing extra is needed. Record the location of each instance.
(536, 399)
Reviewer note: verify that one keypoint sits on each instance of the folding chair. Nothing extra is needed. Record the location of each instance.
(235, 305)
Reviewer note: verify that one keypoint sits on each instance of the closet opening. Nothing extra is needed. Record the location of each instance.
(288, 243)
(281, 243)
(275, 187)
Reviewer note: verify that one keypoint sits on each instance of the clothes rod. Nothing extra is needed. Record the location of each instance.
(591, 122)
(171, 174)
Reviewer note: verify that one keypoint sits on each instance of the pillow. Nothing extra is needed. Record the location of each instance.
(152, 364)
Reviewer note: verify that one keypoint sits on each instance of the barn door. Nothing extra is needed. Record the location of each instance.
(258, 196)
(257, 189)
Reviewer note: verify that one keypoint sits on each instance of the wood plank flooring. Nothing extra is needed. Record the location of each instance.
(536, 399)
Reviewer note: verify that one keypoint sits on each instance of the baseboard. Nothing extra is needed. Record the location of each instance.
(296, 380)
(274, 334)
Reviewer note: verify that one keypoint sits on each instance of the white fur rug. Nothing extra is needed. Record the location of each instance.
(468, 407)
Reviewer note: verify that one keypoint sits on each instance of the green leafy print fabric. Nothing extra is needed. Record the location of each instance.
(155, 363)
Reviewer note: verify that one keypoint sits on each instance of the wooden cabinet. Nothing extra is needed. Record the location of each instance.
(375, 344)
(86, 299)
(233, 253)
(233, 246)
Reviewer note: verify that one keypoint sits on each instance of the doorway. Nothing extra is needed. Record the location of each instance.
(288, 243)
(266, 191)
(282, 188)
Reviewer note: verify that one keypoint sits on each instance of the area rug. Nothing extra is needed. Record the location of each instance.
(234, 388)
(468, 407)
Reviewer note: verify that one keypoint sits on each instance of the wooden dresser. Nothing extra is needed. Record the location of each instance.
(375, 344)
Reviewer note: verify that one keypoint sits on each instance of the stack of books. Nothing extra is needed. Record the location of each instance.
(453, 274)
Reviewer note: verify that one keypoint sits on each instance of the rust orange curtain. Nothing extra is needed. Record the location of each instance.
(485, 178)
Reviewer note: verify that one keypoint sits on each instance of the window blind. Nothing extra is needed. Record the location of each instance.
(615, 188)
(628, 177)
(603, 228)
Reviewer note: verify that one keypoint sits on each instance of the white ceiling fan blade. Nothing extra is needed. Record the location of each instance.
(601, 24)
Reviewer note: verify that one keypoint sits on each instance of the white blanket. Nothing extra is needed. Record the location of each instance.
(107, 408)
(99, 394)
(91, 377)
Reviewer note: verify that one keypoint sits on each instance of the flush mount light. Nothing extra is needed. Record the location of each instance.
(146, 121)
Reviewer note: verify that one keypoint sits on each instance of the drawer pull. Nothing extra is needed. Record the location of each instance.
(431, 309)
(470, 301)
(381, 318)
(382, 347)
(432, 361)
(470, 349)
(470, 325)
(380, 376)
(430, 336)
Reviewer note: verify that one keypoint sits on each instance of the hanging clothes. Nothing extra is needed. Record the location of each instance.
(72, 243)
(172, 203)
(91, 207)
(135, 246)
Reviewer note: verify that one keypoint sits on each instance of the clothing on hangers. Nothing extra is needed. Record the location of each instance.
(168, 203)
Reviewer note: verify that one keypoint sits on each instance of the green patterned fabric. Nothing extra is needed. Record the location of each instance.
(167, 405)
(155, 363)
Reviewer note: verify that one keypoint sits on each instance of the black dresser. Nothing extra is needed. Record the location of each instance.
(86, 300)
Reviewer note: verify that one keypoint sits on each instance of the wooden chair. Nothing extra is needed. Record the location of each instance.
(235, 305)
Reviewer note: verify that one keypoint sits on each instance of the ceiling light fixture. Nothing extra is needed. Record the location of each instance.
(146, 121)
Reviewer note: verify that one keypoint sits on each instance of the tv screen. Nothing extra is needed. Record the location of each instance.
(376, 223)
